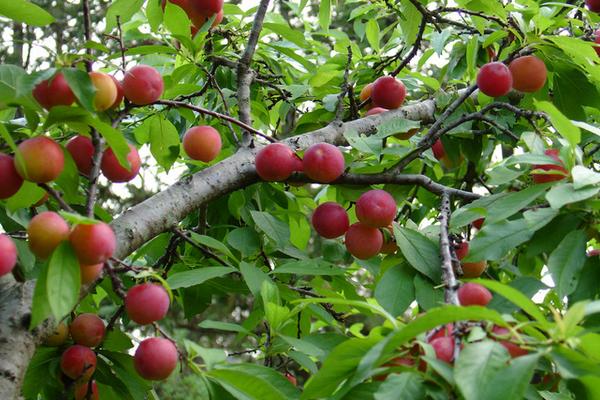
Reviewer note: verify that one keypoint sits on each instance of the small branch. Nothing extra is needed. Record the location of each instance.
(339, 112)
(244, 76)
(115, 280)
(94, 173)
(239, 353)
(87, 32)
(248, 128)
(394, 179)
(450, 282)
(57, 196)
(121, 45)
(413, 51)
(472, 13)
(115, 318)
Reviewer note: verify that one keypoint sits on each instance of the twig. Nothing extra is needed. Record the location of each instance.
(413, 51)
(94, 173)
(244, 76)
(114, 318)
(394, 179)
(339, 112)
(450, 282)
(57, 196)
(115, 280)
(87, 32)
(121, 45)
(248, 128)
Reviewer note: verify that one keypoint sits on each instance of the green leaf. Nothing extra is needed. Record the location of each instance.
(583, 177)
(511, 203)
(37, 370)
(63, 282)
(325, 14)
(419, 251)
(197, 276)
(213, 244)
(293, 35)
(516, 297)
(164, 141)
(566, 262)
(395, 290)
(254, 382)
(224, 326)
(116, 340)
(176, 20)
(274, 228)
(154, 14)
(565, 193)
(80, 83)
(253, 276)
(408, 385)
(314, 266)
(363, 143)
(40, 307)
(122, 8)
(495, 240)
(395, 126)
(372, 32)
(562, 124)
(245, 240)
(24, 11)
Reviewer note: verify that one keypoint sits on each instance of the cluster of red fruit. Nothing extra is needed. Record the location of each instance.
(525, 74)
(200, 11)
(155, 358)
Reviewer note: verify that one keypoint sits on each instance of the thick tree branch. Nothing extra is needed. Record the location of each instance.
(244, 75)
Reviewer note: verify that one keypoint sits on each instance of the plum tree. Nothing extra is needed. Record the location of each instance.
(93, 243)
(323, 162)
(275, 162)
(78, 363)
(39, 159)
(81, 391)
(593, 5)
(147, 303)
(473, 294)
(376, 208)
(90, 273)
(388, 92)
(143, 85)
(554, 172)
(87, 330)
(81, 149)
(114, 171)
(202, 143)
(362, 241)
(59, 336)
(8, 255)
(444, 348)
(10, 180)
(45, 232)
(106, 90)
(528, 73)
(494, 79)
(54, 92)
(330, 220)
(155, 358)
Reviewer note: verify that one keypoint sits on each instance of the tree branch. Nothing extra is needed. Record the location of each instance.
(450, 282)
(57, 196)
(244, 75)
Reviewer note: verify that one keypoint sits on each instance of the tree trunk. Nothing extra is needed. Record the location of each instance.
(153, 216)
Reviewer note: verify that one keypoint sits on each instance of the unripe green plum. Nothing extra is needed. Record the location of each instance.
(388, 92)
(376, 208)
(81, 391)
(363, 241)
(143, 85)
(87, 330)
(147, 303)
(275, 162)
(323, 162)
(78, 363)
(528, 73)
(39, 159)
(8, 255)
(45, 232)
(473, 294)
(54, 92)
(202, 143)
(10, 180)
(81, 149)
(106, 90)
(330, 220)
(93, 243)
(114, 171)
(494, 79)
(155, 359)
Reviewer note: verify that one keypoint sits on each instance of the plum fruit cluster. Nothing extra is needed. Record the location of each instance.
(525, 74)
